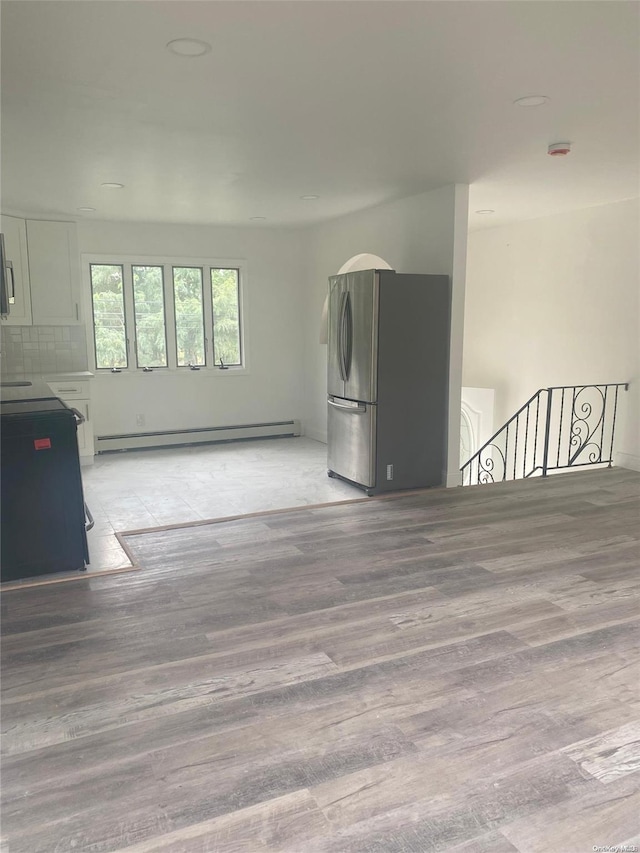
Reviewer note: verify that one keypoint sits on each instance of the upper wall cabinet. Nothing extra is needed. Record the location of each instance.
(15, 244)
(46, 273)
(54, 272)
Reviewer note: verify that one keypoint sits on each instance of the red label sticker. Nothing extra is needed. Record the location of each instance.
(42, 443)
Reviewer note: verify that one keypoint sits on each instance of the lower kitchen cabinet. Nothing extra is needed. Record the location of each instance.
(76, 395)
(85, 431)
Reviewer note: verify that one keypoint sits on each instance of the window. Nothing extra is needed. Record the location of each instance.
(150, 324)
(189, 308)
(110, 333)
(151, 313)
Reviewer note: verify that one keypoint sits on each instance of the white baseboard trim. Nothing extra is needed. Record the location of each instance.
(454, 478)
(207, 435)
(316, 434)
(627, 460)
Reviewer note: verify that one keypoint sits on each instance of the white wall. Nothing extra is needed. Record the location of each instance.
(555, 301)
(425, 233)
(271, 389)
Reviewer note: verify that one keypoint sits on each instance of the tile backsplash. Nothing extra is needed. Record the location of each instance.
(43, 349)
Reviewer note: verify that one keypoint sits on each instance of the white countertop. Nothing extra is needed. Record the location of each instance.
(69, 376)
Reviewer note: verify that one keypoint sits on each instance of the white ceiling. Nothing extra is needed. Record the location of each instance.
(358, 102)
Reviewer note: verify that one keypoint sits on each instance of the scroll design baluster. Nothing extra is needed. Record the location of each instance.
(587, 424)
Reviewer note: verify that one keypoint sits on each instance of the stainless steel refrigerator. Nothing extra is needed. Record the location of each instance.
(388, 369)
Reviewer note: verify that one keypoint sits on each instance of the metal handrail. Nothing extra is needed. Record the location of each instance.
(591, 412)
(504, 426)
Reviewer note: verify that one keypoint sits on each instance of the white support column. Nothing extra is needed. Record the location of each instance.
(458, 280)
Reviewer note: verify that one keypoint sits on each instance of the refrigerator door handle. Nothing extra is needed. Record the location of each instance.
(341, 341)
(359, 409)
(348, 336)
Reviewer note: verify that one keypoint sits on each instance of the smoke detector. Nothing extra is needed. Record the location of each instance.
(559, 149)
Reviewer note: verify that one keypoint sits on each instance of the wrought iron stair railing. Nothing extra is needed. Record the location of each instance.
(567, 426)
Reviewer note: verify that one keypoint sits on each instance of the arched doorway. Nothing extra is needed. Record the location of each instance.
(468, 443)
(363, 261)
(476, 424)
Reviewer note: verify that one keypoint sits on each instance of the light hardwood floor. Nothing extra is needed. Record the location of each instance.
(451, 670)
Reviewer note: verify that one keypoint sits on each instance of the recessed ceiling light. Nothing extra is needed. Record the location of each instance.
(559, 149)
(109, 185)
(532, 101)
(87, 209)
(189, 47)
(257, 218)
(309, 197)
(487, 210)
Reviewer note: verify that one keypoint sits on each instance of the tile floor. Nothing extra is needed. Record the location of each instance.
(150, 488)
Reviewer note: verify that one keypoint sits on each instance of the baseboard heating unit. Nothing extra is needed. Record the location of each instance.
(201, 435)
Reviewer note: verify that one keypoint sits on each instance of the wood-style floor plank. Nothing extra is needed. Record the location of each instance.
(604, 817)
(282, 823)
(610, 755)
(449, 670)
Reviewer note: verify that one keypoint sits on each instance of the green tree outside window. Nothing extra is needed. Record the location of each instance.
(108, 315)
(187, 296)
(148, 300)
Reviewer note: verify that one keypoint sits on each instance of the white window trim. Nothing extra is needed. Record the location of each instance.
(127, 261)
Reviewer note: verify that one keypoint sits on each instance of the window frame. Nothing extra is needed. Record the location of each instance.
(240, 317)
(161, 267)
(93, 345)
(127, 262)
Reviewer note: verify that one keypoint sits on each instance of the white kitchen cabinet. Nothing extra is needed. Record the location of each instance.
(76, 395)
(85, 432)
(15, 244)
(54, 272)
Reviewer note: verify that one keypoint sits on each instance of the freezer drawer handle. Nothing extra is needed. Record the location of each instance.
(354, 410)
